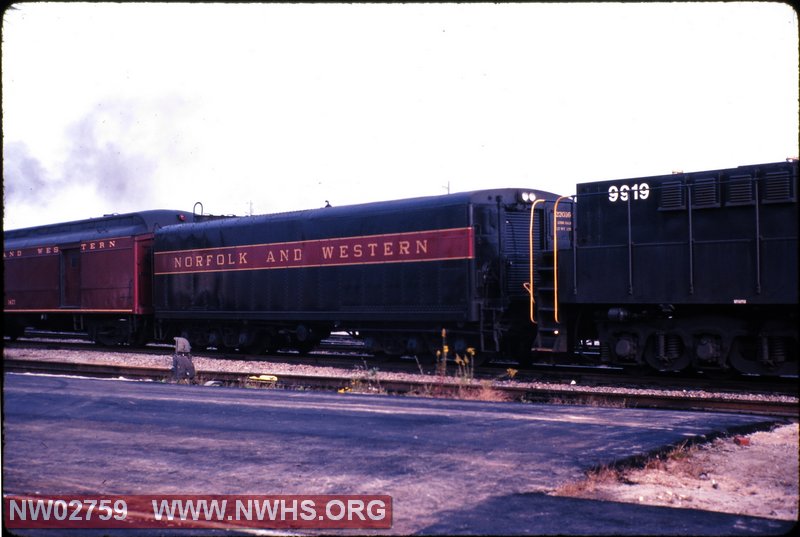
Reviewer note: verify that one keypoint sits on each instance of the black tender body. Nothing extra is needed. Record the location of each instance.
(687, 268)
(395, 272)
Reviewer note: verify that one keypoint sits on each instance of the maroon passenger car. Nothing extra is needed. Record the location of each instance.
(92, 276)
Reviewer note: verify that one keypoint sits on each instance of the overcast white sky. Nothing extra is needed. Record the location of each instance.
(122, 107)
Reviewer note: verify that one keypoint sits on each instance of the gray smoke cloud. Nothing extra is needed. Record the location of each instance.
(115, 149)
(104, 152)
(24, 177)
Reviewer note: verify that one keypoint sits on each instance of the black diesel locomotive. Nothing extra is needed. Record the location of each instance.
(686, 269)
(697, 269)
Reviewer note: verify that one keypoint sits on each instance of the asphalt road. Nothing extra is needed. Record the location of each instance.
(450, 466)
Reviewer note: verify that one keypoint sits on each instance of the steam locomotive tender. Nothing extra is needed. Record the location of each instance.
(393, 273)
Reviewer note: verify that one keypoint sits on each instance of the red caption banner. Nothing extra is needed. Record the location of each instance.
(201, 511)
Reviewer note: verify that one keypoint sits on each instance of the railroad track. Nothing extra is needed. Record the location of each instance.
(434, 386)
(343, 353)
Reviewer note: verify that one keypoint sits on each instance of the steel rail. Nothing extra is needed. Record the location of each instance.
(340, 354)
(435, 387)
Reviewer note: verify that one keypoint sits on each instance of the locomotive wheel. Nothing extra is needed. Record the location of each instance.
(667, 352)
(306, 338)
(762, 356)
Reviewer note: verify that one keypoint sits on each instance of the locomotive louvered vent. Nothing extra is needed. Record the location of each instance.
(778, 187)
(516, 249)
(705, 193)
(740, 190)
(672, 196)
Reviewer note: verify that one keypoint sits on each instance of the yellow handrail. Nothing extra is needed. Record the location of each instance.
(529, 285)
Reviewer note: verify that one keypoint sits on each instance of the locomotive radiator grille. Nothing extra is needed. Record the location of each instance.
(517, 250)
(705, 193)
(740, 190)
(778, 187)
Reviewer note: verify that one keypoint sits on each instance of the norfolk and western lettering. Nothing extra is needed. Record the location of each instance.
(416, 246)
(99, 245)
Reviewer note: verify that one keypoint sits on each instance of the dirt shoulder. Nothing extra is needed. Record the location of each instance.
(754, 475)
